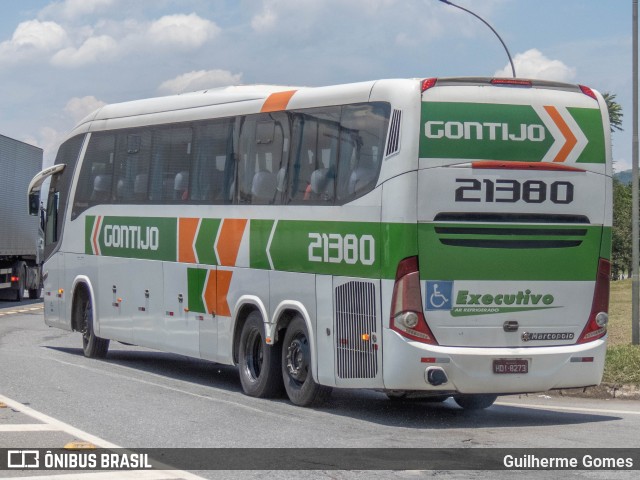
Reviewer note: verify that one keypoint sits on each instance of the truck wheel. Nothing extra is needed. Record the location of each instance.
(21, 278)
(20, 291)
(92, 346)
(34, 293)
(259, 363)
(301, 389)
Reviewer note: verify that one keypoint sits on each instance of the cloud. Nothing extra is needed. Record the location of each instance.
(276, 14)
(92, 50)
(189, 31)
(72, 9)
(31, 38)
(49, 139)
(265, 20)
(200, 80)
(533, 64)
(80, 107)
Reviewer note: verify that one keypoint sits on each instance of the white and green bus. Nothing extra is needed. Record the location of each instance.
(447, 237)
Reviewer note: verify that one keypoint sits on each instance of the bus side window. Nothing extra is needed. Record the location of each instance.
(213, 147)
(362, 135)
(313, 157)
(264, 143)
(95, 182)
(170, 164)
(132, 166)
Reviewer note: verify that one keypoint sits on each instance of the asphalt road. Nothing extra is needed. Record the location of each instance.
(139, 398)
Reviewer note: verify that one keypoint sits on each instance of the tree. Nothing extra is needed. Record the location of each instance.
(621, 231)
(621, 244)
(615, 111)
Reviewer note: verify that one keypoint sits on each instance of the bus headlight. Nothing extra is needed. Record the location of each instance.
(602, 319)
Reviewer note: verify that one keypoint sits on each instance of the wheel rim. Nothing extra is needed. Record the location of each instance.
(254, 355)
(297, 358)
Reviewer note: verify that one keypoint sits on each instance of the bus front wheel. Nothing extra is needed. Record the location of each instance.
(92, 345)
(301, 388)
(259, 363)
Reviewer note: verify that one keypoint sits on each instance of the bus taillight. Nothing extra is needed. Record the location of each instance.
(587, 91)
(428, 83)
(407, 317)
(599, 316)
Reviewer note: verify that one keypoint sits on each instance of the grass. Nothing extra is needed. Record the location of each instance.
(622, 365)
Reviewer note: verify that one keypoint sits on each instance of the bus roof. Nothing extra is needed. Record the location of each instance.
(225, 96)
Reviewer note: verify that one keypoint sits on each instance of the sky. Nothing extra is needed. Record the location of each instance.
(60, 60)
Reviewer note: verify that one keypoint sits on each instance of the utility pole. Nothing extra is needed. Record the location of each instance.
(635, 237)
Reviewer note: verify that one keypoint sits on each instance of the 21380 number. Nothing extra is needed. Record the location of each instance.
(512, 191)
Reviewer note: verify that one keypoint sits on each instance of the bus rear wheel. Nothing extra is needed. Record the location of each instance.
(475, 402)
(301, 388)
(92, 345)
(259, 363)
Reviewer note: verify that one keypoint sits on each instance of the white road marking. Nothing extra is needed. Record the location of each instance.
(569, 409)
(28, 427)
(61, 426)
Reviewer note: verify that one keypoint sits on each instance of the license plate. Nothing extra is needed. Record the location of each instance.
(510, 365)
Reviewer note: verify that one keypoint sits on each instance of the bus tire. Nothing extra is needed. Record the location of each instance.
(92, 345)
(299, 384)
(403, 395)
(259, 363)
(475, 402)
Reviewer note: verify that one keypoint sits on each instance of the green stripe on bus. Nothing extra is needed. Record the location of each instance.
(136, 237)
(447, 251)
(195, 281)
(536, 257)
(260, 231)
(501, 132)
(88, 228)
(205, 241)
(590, 122)
(492, 132)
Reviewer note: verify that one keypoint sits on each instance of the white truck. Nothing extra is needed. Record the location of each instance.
(20, 233)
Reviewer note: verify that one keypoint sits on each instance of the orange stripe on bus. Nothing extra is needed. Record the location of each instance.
(96, 232)
(231, 233)
(187, 228)
(224, 282)
(277, 101)
(570, 138)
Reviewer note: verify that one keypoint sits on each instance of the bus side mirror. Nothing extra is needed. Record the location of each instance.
(34, 203)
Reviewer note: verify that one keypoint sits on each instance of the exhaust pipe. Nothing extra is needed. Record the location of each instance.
(435, 376)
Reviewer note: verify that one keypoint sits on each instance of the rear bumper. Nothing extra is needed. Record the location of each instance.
(470, 370)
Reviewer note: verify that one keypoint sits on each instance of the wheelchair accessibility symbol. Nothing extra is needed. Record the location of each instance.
(438, 295)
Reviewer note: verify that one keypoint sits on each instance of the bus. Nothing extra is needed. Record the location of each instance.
(442, 237)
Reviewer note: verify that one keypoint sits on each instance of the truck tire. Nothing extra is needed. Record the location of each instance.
(22, 272)
(34, 293)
